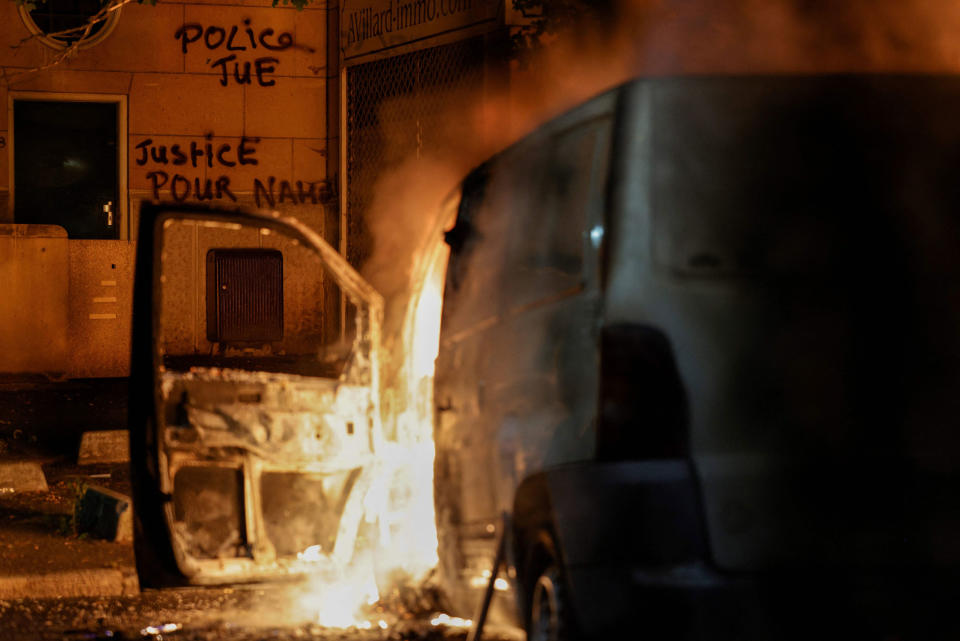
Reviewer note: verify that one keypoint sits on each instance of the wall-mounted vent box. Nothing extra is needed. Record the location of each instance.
(244, 295)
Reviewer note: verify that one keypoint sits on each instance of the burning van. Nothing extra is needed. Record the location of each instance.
(255, 420)
(699, 365)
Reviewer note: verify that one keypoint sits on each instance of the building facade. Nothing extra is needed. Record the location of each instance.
(202, 101)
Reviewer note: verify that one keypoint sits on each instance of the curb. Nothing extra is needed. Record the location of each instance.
(70, 583)
(22, 476)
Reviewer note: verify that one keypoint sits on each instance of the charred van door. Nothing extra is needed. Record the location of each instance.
(518, 362)
(254, 414)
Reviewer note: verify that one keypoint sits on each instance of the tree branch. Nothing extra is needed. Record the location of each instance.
(80, 34)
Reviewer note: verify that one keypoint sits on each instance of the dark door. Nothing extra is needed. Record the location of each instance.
(65, 166)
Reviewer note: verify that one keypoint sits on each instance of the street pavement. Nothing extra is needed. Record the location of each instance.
(56, 584)
(42, 555)
(252, 613)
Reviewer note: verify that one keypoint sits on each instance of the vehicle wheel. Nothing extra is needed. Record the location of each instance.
(551, 616)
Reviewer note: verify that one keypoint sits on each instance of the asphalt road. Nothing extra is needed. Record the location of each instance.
(196, 614)
(41, 421)
(48, 418)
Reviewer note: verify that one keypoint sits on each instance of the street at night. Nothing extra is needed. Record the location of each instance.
(213, 614)
(466, 320)
(43, 554)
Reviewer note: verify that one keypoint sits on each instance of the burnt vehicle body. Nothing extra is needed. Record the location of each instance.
(254, 415)
(700, 344)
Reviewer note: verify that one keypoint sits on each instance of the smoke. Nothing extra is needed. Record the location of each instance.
(595, 52)
(792, 36)
(466, 125)
(602, 48)
(634, 38)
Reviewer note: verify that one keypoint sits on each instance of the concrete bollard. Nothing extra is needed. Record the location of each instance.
(104, 446)
(22, 477)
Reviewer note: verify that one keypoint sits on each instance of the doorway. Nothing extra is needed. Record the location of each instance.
(67, 165)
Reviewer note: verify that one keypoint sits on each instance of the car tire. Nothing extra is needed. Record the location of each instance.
(550, 612)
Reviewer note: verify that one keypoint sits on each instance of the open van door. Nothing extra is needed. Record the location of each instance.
(254, 404)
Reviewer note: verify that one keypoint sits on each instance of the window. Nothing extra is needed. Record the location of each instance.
(67, 165)
(60, 23)
(551, 197)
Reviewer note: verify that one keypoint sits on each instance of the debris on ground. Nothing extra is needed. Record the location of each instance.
(104, 514)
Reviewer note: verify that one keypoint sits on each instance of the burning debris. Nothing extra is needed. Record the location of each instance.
(279, 458)
(157, 631)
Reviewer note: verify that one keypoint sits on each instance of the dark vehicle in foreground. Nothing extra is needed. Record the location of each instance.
(701, 345)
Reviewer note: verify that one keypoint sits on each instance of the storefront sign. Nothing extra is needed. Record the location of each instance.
(373, 26)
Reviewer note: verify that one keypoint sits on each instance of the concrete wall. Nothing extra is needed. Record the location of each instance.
(101, 287)
(34, 305)
(261, 139)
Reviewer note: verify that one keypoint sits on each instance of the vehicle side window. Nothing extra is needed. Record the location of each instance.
(463, 236)
(476, 250)
(546, 257)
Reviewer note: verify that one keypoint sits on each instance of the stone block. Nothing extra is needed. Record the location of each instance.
(274, 158)
(146, 30)
(22, 476)
(293, 108)
(34, 307)
(188, 105)
(101, 299)
(105, 514)
(310, 57)
(61, 80)
(94, 582)
(310, 159)
(104, 446)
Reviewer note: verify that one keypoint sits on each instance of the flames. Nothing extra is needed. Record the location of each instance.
(397, 545)
(343, 601)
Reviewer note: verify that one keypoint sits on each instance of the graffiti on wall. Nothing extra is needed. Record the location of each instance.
(241, 54)
(170, 174)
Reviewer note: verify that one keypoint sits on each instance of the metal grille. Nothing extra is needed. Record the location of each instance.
(396, 109)
(244, 295)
